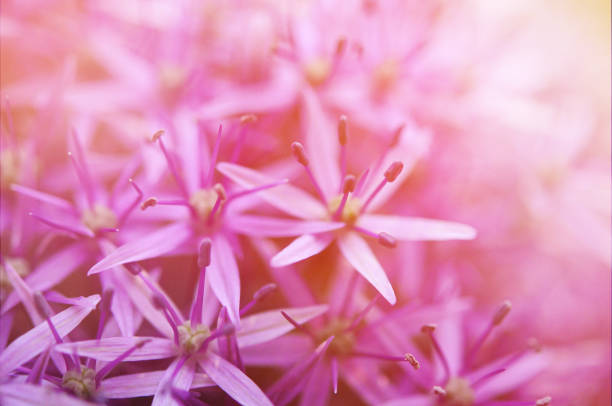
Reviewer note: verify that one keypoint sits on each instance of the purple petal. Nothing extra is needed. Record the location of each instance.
(143, 384)
(281, 352)
(233, 381)
(287, 198)
(301, 248)
(107, 349)
(51, 271)
(43, 197)
(416, 228)
(321, 144)
(224, 277)
(33, 342)
(180, 380)
(266, 326)
(318, 387)
(25, 394)
(276, 227)
(360, 256)
(416, 400)
(153, 245)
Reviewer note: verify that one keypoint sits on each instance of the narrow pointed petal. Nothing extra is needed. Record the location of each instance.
(23, 292)
(224, 277)
(276, 227)
(301, 248)
(287, 198)
(33, 342)
(51, 271)
(318, 387)
(416, 228)
(152, 245)
(43, 197)
(360, 256)
(143, 384)
(321, 144)
(233, 381)
(181, 379)
(25, 394)
(107, 349)
(271, 324)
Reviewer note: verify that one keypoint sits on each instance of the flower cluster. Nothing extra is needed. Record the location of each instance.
(301, 202)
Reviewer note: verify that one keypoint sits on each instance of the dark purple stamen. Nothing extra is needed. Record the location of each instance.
(429, 330)
(299, 326)
(300, 155)
(112, 364)
(222, 331)
(360, 316)
(390, 175)
(43, 308)
(134, 204)
(496, 320)
(195, 315)
(257, 297)
(213, 159)
(39, 367)
(171, 166)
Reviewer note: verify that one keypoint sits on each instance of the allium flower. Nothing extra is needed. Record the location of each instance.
(193, 342)
(347, 205)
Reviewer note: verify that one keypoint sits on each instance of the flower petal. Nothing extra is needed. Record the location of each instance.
(301, 248)
(107, 349)
(33, 342)
(180, 379)
(277, 227)
(143, 384)
(51, 271)
(360, 256)
(266, 326)
(224, 277)
(153, 245)
(25, 394)
(43, 197)
(287, 198)
(321, 144)
(233, 381)
(416, 228)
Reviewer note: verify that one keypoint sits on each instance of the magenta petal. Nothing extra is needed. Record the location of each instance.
(33, 342)
(318, 386)
(360, 256)
(416, 228)
(266, 326)
(321, 144)
(181, 379)
(233, 381)
(416, 400)
(25, 394)
(152, 245)
(43, 197)
(52, 271)
(143, 384)
(301, 248)
(284, 351)
(259, 226)
(22, 292)
(287, 198)
(224, 277)
(107, 349)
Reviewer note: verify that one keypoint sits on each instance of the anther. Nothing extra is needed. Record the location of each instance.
(502, 312)
(264, 291)
(386, 240)
(342, 130)
(348, 185)
(428, 328)
(543, 401)
(340, 46)
(204, 253)
(412, 360)
(248, 119)
(393, 171)
(438, 390)
(298, 152)
(149, 202)
(157, 135)
(220, 191)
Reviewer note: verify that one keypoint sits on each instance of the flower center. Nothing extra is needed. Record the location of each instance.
(171, 76)
(20, 266)
(385, 76)
(191, 339)
(343, 341)
(459, 392)
(82, 383)
(99, 217)
(317, 71)
(351, 209)
(203, 201)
